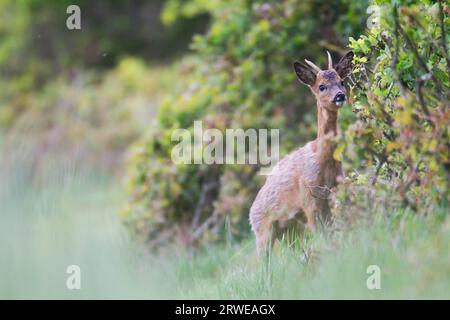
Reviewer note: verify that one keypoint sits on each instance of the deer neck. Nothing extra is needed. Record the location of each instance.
(326, 131)
(326, 122)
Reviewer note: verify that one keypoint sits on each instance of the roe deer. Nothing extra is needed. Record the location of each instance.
(301, 181)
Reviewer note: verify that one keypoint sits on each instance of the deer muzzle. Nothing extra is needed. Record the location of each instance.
(339, 99)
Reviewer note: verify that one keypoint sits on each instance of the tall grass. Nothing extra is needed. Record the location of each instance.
(412, 253)
(66, 217)
(69, 217)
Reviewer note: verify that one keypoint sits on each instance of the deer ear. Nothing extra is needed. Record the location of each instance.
(344, 66)
(304, 74)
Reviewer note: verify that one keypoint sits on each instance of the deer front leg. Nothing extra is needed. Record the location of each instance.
(262, 227)
(310, 213)
(324, 216)
(317, 213)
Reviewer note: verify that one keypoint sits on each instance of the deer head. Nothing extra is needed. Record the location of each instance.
(327, 85)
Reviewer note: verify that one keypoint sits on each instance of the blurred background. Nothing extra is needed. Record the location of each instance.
(89, 91)
(86, 118)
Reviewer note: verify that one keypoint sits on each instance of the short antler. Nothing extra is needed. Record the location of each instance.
(330, 61)
(316, 68)
(312, 65)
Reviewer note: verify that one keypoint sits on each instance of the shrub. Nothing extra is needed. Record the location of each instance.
(37, 47)
(87, 118)
(396, 143)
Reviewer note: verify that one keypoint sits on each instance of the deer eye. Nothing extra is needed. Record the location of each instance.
(322, 87)
(342, 83)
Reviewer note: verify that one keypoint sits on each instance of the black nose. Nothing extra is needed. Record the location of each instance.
(339, 97)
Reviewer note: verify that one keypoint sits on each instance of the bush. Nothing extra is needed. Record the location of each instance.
(86, 117)
(37, 47)
(396, 144)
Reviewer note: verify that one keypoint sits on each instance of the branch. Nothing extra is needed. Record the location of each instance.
(396, 50)
(420, 82)
(443, 34)
(418, 57)
(377, 172)
(208, 222)
(202, 202)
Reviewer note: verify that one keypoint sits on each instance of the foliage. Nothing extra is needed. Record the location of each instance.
(36, 47)
(241, 77)
(396, 145)
(176, 9)
(86, 116)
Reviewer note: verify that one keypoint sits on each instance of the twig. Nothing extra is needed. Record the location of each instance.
(420, 82)
(377, 171)
(442, 48)
(396, 50)
(200, 230)
(419, 58)
(443, 34)
(206, 188)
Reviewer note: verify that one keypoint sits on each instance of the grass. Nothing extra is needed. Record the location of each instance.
(70, 218)
(413, 256)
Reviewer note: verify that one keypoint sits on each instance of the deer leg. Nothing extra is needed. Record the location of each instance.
(262, 227)
(263, 239)
(310, 213)
(317, 213)
(324, 215)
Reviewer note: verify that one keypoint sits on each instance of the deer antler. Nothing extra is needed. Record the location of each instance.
(330, 61)
(312, 65)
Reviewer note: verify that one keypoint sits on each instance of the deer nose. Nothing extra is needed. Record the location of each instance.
(340, 97)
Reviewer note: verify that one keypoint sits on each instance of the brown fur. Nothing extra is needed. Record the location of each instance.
(301, 181)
